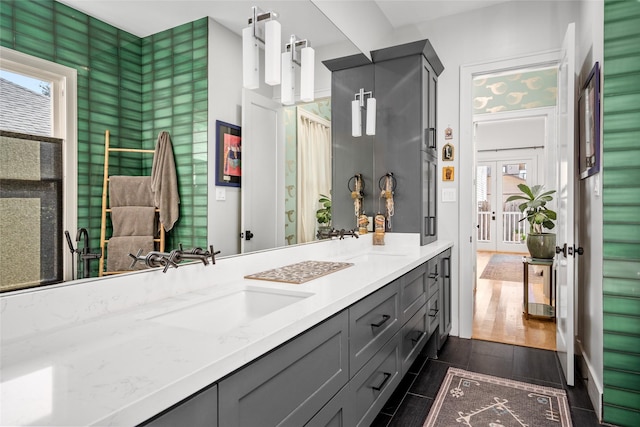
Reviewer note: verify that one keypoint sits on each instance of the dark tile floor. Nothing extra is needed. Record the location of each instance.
(410, 403)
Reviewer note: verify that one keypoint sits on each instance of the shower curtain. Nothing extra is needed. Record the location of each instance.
(314, 170)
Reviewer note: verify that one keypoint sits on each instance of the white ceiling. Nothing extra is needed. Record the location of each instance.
(299, 17)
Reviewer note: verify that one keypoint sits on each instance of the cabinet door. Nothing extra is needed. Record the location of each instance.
(414, 336)
(412, 291)
(200, 410)
(433, 312)
(372, 322)
(339, 412)
(429, 199)
(429, 87)
(375, 383)
(288, 386)
(445, 296)
(433, 276)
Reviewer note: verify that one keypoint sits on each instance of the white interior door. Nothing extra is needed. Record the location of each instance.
(262, 199)
(565, 266)
(499, 225)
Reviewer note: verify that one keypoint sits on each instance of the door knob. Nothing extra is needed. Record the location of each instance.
(562, 250)
(248, 235)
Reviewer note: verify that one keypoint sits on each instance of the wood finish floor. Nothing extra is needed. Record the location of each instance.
(497, 313)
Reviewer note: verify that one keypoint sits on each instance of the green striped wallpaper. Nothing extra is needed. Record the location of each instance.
(134, 87)
(621, 200)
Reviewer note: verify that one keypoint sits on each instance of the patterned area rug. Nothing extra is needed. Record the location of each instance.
(474, 400)
(505, 267)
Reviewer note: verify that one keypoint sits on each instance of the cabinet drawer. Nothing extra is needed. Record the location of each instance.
(412, 291)
(200, 410)
(288, 386)
(375, 383)
(433, 274)
(339, 412)
(433, 313)
(372, 322)
(414, 336)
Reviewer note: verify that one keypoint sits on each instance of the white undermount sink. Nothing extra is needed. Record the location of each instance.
(226, 312)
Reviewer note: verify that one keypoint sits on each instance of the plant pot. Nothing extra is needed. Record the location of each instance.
(323, 231)
(542, 245)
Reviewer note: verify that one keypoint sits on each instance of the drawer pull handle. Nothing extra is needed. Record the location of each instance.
(384, 381)
(385, 317)
(416, 338)
(433, 313)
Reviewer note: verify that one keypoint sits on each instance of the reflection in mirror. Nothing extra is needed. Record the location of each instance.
(223, 41)
(307, 167)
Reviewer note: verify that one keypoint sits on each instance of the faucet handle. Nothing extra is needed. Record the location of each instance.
(136, 258)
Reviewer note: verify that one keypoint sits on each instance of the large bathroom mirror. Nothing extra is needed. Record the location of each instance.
(301, 18)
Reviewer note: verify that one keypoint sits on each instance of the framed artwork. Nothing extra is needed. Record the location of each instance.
(447, 173)
(447, 152)
(589, 125)
(228, 154)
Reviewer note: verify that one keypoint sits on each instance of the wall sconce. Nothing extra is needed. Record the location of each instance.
(356, 113)
(297, 52)
(263, 28)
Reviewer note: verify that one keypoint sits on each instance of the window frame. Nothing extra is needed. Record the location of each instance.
(64, 126)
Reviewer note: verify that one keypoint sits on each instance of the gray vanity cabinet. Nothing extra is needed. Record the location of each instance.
(404, 82)
(340, 372)
(288, 386)
(444, 281)
(199, 410)
(405, 144)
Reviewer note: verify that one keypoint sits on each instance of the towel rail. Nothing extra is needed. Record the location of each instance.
(159, 240)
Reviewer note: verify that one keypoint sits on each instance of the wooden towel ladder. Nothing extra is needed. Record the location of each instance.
(160, 240)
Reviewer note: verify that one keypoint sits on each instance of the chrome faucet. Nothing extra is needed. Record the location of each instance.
(337, 233)
(173, 258)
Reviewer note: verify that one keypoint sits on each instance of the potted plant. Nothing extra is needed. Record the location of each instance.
(323, 215)
(539, 243)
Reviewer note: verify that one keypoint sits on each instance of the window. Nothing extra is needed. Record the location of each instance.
(37, 170)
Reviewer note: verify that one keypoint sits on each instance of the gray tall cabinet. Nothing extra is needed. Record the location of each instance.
(403, 80)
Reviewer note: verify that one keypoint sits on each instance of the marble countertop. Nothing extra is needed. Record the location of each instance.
(91, 353)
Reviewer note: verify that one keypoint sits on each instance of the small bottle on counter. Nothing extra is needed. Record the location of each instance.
(363, 222)
(378, 234)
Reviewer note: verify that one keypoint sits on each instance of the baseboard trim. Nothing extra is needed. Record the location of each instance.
(594, 387)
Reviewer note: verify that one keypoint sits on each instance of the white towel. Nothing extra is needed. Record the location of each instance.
(164, 181)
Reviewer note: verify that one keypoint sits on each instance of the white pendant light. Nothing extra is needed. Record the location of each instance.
(250, 60)
(371, 116)
(287, 85)
(272, 42)
(307, 71)
(356, 118)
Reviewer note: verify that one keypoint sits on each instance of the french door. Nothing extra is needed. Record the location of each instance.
(499, 225)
